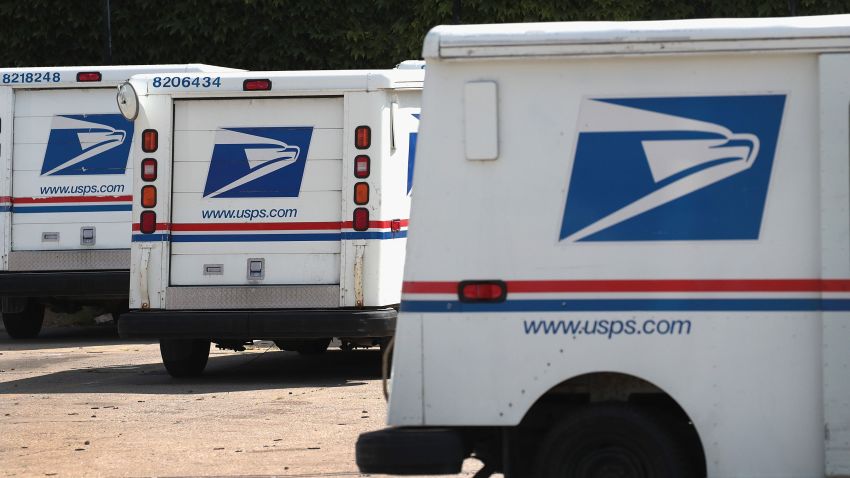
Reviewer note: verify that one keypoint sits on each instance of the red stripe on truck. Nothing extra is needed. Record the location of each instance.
(376, 224)
(278, 226)
(160, 226)
(256, 226)
(63, 199)
(684, 285)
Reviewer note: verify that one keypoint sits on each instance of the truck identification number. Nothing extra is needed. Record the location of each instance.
(31, 77)
(186, 82)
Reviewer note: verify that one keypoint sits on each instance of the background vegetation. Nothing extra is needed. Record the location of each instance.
(305, 34)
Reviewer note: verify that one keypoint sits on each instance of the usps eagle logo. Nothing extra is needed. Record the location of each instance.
(672, 168)
(258, 162)
(87, 144)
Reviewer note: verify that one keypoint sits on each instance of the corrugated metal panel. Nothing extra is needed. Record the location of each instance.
(70, 170)
(257, 179)
(248, 297)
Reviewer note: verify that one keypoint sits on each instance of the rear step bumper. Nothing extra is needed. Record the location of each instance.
(411, 451)
(78, 284)
(258, 324)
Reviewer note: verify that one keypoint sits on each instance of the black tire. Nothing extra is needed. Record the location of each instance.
(611, 440)
(410, 451)
(184, 357)
(27, 323)
(304, 347)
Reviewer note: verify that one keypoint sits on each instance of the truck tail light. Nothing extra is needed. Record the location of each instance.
(361, 219)
(257, 85)
(482, 291)
(150, 140)
(86, 76)
(148, 169)
(148, 196)
(361, 166)
(147, 222)
(361, 193)
(362, 137)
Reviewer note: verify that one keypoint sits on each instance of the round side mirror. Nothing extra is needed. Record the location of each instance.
(128, 101)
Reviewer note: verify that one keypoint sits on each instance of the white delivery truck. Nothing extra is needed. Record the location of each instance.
(629, 253)
(269, 205)
(65, 190)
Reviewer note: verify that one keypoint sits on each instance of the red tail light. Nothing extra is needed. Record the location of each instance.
(395, 225)
(147, 222)
(361, 166)
(148, 169)
(361, 219)
(257, 85)
(150, 140)
(362, 137)
(85, 76)
(482, 291)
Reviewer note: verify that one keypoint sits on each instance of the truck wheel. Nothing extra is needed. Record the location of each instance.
(184, 357)
(610, 439)
(27, 323)
(304, 347)
(411, 451)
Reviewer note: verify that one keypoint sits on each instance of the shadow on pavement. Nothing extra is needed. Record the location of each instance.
(68, 337)
(232, 372)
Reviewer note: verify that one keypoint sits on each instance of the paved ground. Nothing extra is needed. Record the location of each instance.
(80, 402)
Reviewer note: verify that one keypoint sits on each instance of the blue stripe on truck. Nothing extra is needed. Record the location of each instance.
(627, 305)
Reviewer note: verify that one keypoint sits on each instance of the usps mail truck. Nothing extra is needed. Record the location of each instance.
(269, 205)
(65, 188)
(629, 253)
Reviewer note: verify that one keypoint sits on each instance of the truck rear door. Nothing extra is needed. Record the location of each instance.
(256, 191)
(70, 176)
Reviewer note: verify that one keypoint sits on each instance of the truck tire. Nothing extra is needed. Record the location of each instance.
(27, 323)
(304, 347)
(611, 439)
(411, 451)
(184, 357)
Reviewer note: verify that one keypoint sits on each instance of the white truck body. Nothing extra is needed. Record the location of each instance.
(65, 180)
(266, 179)
(666, 205)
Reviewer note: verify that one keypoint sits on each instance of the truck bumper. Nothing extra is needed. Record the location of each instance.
(258, 324)
(411, 451)
(78, 284)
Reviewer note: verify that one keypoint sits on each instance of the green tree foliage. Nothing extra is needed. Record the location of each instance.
(305, 34)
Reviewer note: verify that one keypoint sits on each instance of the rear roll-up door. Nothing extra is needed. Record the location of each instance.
(256, 191)
(70, 180)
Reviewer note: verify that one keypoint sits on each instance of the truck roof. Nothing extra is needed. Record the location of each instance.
(320, 80)
(411, 65)
(815, 33)
(110, 75)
